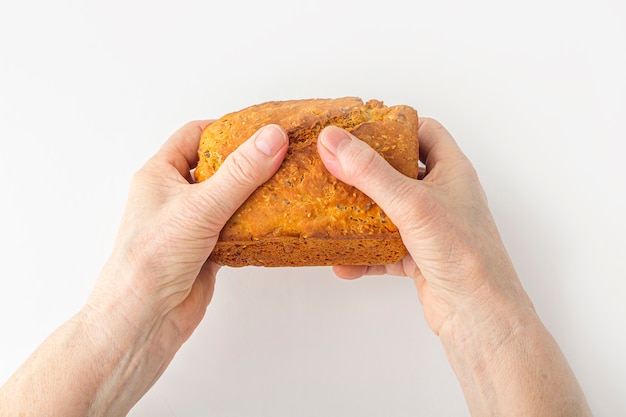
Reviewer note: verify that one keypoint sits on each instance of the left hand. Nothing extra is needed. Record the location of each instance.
(159, 268)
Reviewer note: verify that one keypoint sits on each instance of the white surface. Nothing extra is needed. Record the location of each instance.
(534, 92)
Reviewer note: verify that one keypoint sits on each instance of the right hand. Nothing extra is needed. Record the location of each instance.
(456, 256)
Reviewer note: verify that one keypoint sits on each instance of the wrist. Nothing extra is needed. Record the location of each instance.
(479, 333)
(492, 311)
(129, 342)
(483, 349)
(128, 314)
(122, 358)
(508, 363)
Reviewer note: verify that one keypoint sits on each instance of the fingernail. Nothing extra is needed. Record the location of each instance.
(270, 140)
(334, 138)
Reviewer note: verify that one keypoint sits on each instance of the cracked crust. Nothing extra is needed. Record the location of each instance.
(303, 216)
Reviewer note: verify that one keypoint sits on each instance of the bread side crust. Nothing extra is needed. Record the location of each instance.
(283, 252)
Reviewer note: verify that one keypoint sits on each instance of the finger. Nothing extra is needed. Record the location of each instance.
(356, 163)
(350, 272)
(404, 267)
(181, 149)
(243, 171)
(437, 146)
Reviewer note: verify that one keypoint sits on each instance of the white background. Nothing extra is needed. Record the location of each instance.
(534, 92)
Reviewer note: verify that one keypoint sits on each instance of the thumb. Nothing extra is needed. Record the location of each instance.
(243, 171)
(354, 162)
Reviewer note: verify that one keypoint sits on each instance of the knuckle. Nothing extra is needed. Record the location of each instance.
(404, 200)
(361, 163)
(241, 169)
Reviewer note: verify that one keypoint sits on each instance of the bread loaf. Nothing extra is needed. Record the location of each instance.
(303, 216)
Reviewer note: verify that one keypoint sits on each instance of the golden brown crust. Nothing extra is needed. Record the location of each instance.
(303, 215)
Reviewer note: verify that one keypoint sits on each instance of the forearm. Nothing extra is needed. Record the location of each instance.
(508, 364)
(98, 363)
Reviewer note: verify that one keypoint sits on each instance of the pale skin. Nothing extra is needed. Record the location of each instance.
(156, 286)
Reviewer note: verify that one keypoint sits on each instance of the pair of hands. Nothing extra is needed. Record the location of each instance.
(157, 284)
